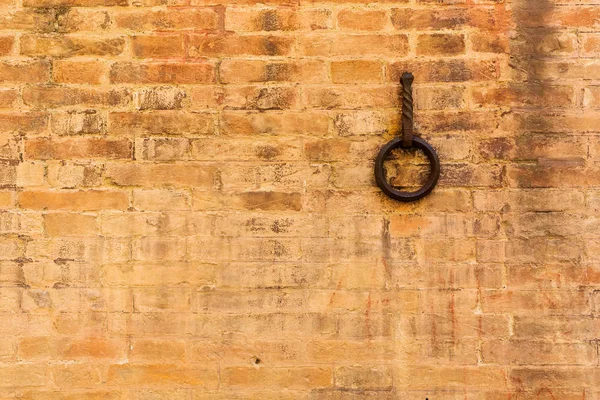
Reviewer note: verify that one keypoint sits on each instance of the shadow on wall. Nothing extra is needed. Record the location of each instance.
(538, 97)
(532, 43)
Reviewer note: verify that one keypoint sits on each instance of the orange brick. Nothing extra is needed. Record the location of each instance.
(76, 201)
(8, 97)
(218, 45)
(68, 46)
(82, 72)
(43, 149)
(277, 19)
(154, 350)
(440, 44)
(361, 20)
(241, 71)
(67, 224)
(158, 46)
(356, 45)
(127, 72)
(6, 45)
(356, 71)
(26, 72)
(54, 96)
(162, 122)
(289, 378)
(173, 19)
(159, 175)
(163, 374)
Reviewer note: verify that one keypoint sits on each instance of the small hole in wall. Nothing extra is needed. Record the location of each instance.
(257, 360)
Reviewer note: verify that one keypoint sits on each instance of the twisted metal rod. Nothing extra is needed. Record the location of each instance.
(407, 109)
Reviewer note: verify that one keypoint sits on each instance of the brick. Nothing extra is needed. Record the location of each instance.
(27, 19)
(23, 375)
(82, 19)
(8, 97)
(173, 19)
(69, 46)
(530, 352)
(24, 72)
(591, 44)
(74, 174)
(235, 123)
(261, 98)
(58, 96)
(356, 45)
(440, 44)
(356, 71)
(78, 72)
(43, 149)
(6, 45)
(131, 375)
(243, 71)
(447, 376)
(289, 378)
(445, 71)
(75, 201)
(158, 175)
(378, 378)
(68, 224)
(257, 275)
(128, 72)
(361, 20)
(162, 299)
(30, 174)
(158, 46)
(218, 45)
(77, 122)
(229, 301)
(149, 350)
(430, 18)
(485, 43)
(270, 351)
(524, 96)
(277, 19)
(153, 273)
(77, 375)
(160, 200)
(160, 98)
(551, 302)
(162, 122)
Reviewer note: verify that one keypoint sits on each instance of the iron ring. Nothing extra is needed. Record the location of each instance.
(388, 189)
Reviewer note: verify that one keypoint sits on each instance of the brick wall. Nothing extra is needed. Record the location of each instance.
(190, 209)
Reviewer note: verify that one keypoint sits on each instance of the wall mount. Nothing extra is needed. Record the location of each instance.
(407, 141)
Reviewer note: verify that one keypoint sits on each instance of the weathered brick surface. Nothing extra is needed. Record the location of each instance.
(188, 208)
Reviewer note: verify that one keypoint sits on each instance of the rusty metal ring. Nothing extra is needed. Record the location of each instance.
(388, 189)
